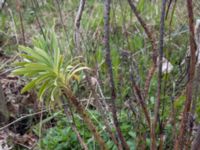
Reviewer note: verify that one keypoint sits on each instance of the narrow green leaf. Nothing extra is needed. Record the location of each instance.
(77, 70)
(38, 66)
(44, 54)
(43, 89)
(53, 92)
(23, 71)
(20, 64)
(33, 54)
(28, 86)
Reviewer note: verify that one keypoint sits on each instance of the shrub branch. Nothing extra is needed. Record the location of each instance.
(109, 64)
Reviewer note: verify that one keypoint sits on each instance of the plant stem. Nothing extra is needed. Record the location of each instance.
(18, 8)
(152, 39)
(157, 105)
(103, 112)
(179, 144)
(79, 108)
(77, 25)
(109, 64)
(73, 125)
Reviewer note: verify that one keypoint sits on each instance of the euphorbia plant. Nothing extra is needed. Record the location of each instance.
(53, 74)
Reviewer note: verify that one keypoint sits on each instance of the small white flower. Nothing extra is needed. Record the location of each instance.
(1, 3)
(166, 65)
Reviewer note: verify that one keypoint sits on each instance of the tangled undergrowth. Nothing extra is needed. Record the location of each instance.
(99, 74)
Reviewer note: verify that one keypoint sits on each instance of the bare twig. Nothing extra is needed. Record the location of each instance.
(168, 8)
(61, 19)
(21, 118)
(37, 19)
(104, 112)
(77, 25)
(18, 8)
(187, 106)
(13, 25)
(3, 107)
(41, 123)
(173, 10)
(70, 116)
(157, 104)
(146, 29)
(196, 142)
(109, 64)
(79, 108)
(153, 43)
(139, 97)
